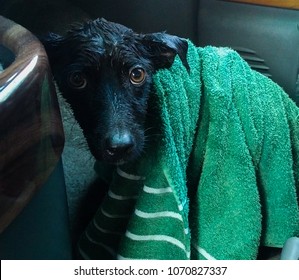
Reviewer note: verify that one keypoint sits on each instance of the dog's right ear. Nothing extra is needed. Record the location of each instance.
(54, 45)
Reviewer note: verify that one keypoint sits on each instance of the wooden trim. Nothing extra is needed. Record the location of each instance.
(32, 135)
(288, 4)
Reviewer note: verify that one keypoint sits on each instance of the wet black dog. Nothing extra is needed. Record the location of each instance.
(104, 71)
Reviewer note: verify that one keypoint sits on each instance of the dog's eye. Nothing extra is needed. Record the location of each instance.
(137, 75)
(77, 80)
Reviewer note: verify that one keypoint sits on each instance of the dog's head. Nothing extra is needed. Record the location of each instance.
(104, 71)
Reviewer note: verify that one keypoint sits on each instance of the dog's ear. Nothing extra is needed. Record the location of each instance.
(164, 47)
(54, 46)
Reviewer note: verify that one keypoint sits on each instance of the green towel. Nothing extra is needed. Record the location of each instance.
(220, 177)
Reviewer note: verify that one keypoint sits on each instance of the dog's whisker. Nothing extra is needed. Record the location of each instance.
(148, 129)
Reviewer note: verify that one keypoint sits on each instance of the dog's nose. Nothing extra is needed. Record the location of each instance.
(119, 144)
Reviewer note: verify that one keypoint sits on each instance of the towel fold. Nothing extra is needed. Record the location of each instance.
(220, 178)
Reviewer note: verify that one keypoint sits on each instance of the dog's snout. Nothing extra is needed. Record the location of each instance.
(118, 145)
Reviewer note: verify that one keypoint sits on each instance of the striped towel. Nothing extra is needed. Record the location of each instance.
(129, 225)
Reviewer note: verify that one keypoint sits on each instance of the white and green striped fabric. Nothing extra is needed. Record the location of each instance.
(134, 221)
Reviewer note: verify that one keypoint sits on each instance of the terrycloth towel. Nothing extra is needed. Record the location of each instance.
(221, 177)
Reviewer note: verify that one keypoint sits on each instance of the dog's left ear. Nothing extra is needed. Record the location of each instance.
(163, 48)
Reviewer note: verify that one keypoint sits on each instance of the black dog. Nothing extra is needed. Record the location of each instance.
(104, 70)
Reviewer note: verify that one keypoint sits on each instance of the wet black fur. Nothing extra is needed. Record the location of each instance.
(110, 105)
